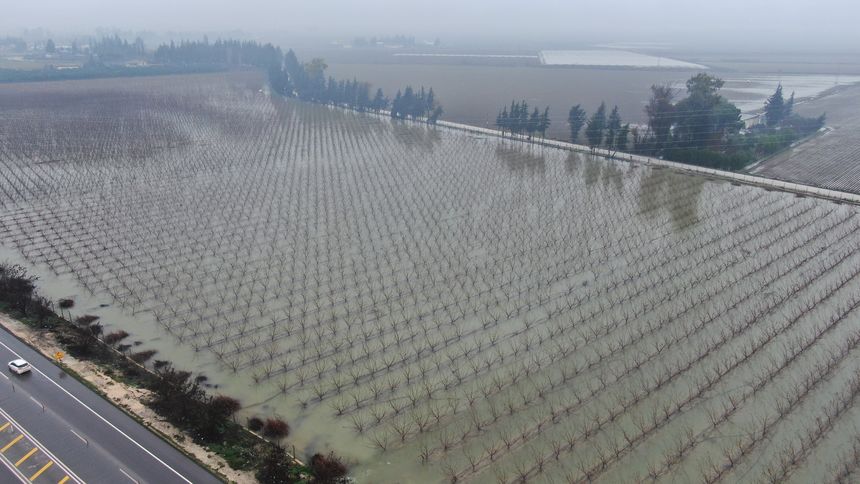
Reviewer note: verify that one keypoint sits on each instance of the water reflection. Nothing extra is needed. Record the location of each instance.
(663, 192)
(521, 159)
(612, 176)
(423, 137)
(573, 163)
(650, 197)
(592, 170)
(685, 212)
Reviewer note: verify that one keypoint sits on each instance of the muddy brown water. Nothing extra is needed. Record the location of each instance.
(470, 304)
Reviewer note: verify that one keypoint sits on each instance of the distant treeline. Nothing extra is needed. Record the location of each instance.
(107, 54)
(224, 52)
(415, 105)
(286, 74)
(16, 44)
(307, 81)
(703, 128)
(519, 121)
(706, 129)
(111, 49)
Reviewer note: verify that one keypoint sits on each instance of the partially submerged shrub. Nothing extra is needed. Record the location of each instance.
(16, 287)
(115, 337)
(179, 398)
(276, 429)
(225, 405)
(141, 357)
(86, 319)
(255, 424)
(276, 468)
(327, 468)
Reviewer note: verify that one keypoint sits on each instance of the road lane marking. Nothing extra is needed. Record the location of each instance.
(4, 375)
(63, 480)
(43, 469)
(3, 427)
(138, 444)
(26, 456)
(37, 444)
(10, 444)
(78, 436)
(14, 470)
(135, 481)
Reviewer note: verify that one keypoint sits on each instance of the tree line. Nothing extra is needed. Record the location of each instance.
(221, 52)
(601, 131)
(115, 48)
(703, 128)
(15, 44)
(518, 120)
(290, 77)
(415, 105)
(307, 81)
(287, 75)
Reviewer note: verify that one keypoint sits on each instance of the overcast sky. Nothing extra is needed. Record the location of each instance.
(759, 22)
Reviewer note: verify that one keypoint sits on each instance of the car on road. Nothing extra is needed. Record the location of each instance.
(19, 366)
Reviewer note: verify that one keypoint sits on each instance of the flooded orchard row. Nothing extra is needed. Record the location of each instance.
(439, 306)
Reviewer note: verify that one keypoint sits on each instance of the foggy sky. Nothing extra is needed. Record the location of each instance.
(764, 23)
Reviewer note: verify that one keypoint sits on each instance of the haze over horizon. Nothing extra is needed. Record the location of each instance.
(763, 25)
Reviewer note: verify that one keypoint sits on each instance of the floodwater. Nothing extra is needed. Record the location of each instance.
(612, 58)
(474, 89)
(434, 304)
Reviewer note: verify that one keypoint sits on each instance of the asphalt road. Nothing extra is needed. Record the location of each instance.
(54, 429)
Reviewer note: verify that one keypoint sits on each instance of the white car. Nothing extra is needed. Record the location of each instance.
(19, 366)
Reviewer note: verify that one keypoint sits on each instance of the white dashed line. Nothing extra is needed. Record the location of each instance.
(135, 481)
(78, 436)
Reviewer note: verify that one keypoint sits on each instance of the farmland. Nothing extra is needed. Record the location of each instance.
(612, 58)
(473, 94)
(443, 305)
(830, 159)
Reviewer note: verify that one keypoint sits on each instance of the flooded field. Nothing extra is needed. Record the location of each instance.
(831, 159)
(473, 93)
(439, 306)
(612, 58)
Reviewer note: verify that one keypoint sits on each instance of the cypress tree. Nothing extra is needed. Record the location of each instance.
(612, 128)
(523, 118)
(397, 105)
(576, 120)
(544, 122)
(774, 108)
(789, 107)
(622, 138)
(595, 127)
(502, 120)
